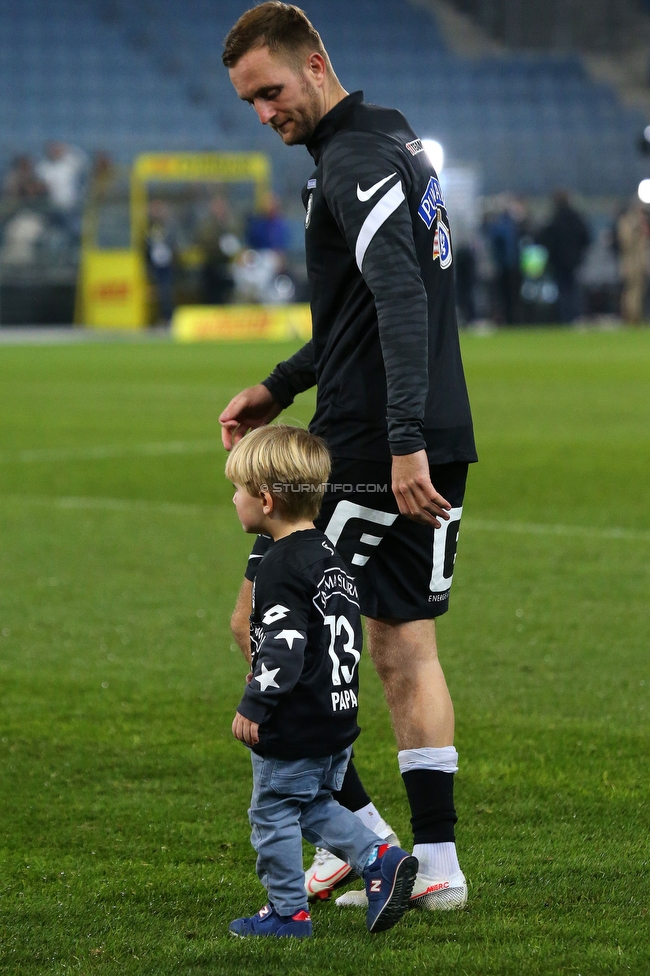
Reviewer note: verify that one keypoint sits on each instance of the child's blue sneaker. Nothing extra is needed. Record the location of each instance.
(389, 882)
(268, 922)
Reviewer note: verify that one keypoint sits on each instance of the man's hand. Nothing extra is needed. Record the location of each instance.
(416, 496)
(251, 408)
(245, 730)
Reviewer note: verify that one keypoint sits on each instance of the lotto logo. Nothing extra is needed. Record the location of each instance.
(278, 612)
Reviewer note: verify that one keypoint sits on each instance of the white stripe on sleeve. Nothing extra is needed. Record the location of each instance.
(377, 216)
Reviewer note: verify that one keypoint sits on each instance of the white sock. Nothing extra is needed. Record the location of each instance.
(444, 758)
(437, 860)
(371, 817)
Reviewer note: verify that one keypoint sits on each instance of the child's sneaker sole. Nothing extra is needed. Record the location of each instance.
(398, 899)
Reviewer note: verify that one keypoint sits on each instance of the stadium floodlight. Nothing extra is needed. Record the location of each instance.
(644, 191)
(435, 152)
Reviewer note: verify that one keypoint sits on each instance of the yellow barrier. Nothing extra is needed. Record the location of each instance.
(205, 323)
(113, 289)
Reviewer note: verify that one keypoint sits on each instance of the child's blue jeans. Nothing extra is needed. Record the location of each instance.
(292, 798)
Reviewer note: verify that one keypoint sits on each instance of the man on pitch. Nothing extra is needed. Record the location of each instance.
(392, 404)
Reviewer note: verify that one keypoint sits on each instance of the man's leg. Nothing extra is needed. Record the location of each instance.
(404, 572)
(239, 622)
(406, 658)
(328, 871)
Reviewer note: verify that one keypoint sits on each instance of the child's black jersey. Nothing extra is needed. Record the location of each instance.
(306, 641)
(385, 352)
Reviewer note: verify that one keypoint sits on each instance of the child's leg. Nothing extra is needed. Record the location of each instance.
(327, 824)
(276, 836)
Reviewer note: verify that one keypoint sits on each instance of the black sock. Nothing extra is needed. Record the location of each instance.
(352, 795)
(431, 798)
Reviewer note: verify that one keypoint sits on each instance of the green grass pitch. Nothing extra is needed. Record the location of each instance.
(123, 834)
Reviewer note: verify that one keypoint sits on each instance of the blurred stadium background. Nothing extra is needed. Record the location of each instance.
(125, 153)
(524, 99)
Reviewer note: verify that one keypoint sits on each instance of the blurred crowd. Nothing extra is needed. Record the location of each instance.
(559, 269)
(42, 202)
(521, 264)
(242, 258)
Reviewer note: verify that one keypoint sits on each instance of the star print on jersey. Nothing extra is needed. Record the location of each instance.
(266, 678)
(290, 636)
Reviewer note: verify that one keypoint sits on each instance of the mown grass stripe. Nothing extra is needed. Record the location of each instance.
(156, 449)
(533, 528)
(469, 524)
(112, 504)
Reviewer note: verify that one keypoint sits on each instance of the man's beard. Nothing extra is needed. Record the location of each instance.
(304, 120)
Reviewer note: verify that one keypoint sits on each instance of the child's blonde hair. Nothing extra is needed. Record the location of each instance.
(289, 462)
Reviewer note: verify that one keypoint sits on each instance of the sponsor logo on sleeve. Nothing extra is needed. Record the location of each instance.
(365, 195)
(432, 210)
(273, 614)
(442, 244)
(430, 202)
(415, 147)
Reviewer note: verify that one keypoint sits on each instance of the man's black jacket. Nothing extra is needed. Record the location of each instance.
(384, 353)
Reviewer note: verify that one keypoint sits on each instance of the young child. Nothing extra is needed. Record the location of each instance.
(298, 714)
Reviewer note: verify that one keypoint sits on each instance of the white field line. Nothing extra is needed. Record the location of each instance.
(113, 504)
(179, 508)
(110, 451)
(534, 528)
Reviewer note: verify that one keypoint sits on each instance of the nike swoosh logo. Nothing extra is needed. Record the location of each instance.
(366, 194)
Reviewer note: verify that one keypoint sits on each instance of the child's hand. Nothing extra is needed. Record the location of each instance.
(245, 730)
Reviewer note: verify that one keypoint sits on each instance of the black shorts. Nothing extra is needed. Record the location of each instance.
(403, 569)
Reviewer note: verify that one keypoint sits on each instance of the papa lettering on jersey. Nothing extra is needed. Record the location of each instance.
(341, 700)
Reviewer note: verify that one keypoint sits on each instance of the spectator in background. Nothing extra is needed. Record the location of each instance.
(21, 184)
(267, 230)
(566, 238)
(503, 232)
(465, 276)
(161, 258)
(103, 173)
(21, 238)
(62, 172)
(219, 246)
(634, 253)
(263, 275)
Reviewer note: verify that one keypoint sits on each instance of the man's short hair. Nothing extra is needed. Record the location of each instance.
(283, 28)
(289, 462)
